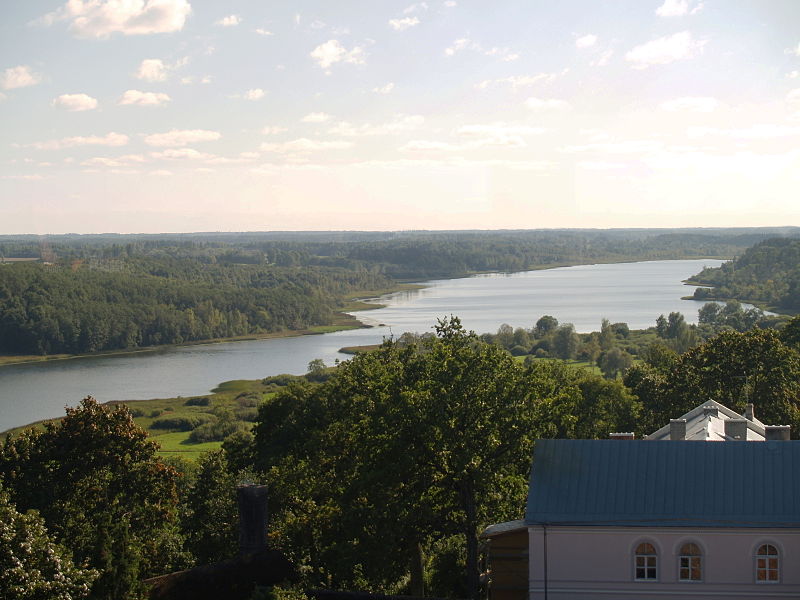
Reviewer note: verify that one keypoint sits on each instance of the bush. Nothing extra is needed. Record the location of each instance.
(156, 413)
(519, 351)
(198, 401)
(187, 423)
(216, 432)
(281, 380)
(246, 414)
(136, 412)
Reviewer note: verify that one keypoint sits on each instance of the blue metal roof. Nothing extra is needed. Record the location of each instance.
(669, 483)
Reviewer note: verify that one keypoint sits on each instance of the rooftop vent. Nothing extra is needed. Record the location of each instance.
(736, 429)
(777, 432)
(677, 429)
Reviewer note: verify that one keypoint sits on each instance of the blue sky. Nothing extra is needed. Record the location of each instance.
(187, 115)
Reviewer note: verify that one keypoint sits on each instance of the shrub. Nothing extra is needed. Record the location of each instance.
(198, 401)
(187, 423)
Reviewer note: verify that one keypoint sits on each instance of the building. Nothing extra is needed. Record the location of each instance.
(623, 518)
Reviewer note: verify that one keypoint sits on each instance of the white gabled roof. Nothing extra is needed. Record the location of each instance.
(706, 422)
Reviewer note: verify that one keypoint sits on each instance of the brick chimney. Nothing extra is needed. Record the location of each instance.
(777, 432)
(677, 429)
(736, 429)
(252, 518)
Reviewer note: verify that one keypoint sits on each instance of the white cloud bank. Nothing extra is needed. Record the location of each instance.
(155, 69)
(181, 137)
(586, 41)
(665, 50)
(545, 104)
(75, 102)
(305, 145)
(316, 117)
(99, 19)
(139, 98)
(678, 8)
(691, 104)
(332, 52)
(229, 21)
(18, 77)
(110, 139)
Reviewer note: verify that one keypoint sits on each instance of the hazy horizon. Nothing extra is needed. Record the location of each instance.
(177, 116)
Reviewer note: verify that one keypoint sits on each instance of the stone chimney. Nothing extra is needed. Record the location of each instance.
(777, 432)
(749, 414)
(252, 518)
(677, 429)
(622, 435)
(736, 429)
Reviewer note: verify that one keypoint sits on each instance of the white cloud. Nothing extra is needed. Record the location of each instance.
(332, 52)
(110, 139)
(229, 21)
(545, 104)
(793, 75)
(450, 3)
(665, 50)
(254, 94)
(152, 69)
(691, 104)
(399, 124)
(18, 77)
(429, 146)
(304, 145)
(460, 44)
(316, 117)
(182, 154)
(262, 31)
(384, 89)
(403, 24)
(273, 129)
(678, 8)
(456, 46)
(75, 102)
(793, 96)
(418, 7)
(519, 81)
(795, 51)
(603, 59)
(181, 137)
(101, 18)
(586, 41)
(120, 161)
(191, 79)
(139, 98)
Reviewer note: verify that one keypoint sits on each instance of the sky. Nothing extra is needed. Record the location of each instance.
(197, 115)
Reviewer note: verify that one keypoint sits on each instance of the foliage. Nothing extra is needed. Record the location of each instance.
(103, 492)
(769, 272)
(732, 368)
(32, 565)
(412, 444)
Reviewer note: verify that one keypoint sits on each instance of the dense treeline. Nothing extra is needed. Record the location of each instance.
(769, 272)
(76, 308)
(105, 292)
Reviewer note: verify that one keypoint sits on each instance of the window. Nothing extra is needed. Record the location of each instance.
(646, 562)
(767, 564)
(690, 563)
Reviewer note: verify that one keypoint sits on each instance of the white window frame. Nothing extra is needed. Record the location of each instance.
(647, 559)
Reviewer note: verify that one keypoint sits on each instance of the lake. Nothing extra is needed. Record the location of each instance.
(636, 293)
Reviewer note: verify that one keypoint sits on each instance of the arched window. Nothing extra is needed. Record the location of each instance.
(768, 568)
(690, 563)
(645, 562)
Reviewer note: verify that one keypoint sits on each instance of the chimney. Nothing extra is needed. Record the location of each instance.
(252, 518)
(677, 429)
(748, 412)
(622, 435)
(710, 410)
(777, 432)
(736, 429)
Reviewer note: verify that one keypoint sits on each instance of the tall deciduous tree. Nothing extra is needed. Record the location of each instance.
(102, 490)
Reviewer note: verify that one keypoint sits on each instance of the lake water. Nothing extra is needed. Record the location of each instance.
(636, 293)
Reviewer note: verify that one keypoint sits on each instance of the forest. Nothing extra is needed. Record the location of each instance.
(398, 457)
(90, 293)
(768, 273)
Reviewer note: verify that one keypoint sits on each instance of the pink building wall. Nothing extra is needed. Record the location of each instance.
(598, 563)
